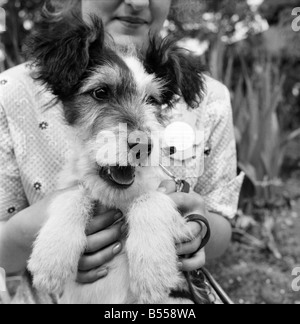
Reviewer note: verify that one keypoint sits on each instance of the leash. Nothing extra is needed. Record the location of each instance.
(217, 288)
(185, 187)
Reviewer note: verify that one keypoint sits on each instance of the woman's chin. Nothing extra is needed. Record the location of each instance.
(124, 37)
(125, 40)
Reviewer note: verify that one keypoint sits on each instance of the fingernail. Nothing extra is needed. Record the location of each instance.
(118, 216)
(102, 273)
(162, 190)
(180, 266)
(123, 229)
(117, 249)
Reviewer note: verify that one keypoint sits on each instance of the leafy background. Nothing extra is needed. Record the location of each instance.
(250, 46)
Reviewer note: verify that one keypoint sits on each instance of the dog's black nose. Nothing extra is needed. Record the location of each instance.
(141, 150)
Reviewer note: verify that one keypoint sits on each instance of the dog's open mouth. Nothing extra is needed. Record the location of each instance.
(121, 177)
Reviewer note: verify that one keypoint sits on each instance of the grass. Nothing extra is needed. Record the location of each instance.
(252, 275)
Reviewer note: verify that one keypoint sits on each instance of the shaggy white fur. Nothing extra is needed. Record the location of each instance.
(145, 272)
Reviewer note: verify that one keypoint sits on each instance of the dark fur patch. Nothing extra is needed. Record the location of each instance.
(60, 51)
(65, 53)
(182, 71)
(181, 294)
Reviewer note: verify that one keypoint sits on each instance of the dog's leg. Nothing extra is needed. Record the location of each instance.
(155, 226)
(61, 242)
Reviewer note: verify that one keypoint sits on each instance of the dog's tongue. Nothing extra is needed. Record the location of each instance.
(123, 175)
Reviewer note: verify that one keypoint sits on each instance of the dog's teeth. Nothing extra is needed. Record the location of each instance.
(109, 171)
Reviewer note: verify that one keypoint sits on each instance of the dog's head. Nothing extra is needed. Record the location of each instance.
(113, 93)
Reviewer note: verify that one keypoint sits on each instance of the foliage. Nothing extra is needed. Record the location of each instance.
(275, 10)
(261, 141)
(257, 86)
(206, 19)
(20, 18)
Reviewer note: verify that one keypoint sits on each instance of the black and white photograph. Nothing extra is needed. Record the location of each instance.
(149, 155)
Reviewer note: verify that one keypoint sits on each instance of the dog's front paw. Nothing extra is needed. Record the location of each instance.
(48, 283)
(49, 277)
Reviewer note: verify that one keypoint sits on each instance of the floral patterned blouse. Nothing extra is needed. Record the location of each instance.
(34, 146)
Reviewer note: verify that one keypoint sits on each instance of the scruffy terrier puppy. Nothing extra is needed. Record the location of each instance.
(101, 87)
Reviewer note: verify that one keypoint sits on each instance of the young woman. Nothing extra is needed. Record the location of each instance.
(33, 149)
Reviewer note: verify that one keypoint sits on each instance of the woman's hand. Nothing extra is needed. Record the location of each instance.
(191, 258)
(103, 245)
(104, 238)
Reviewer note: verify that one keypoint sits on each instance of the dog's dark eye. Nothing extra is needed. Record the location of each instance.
(100, 93)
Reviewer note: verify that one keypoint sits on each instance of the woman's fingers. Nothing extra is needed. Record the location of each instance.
(104, 238)
(195, 229)
(167, 187)
(92, 276)
(99, 259)
(103, 221)
(102, 246)
(190, 247)
(188, 204)
(185, 201)
(197, 262)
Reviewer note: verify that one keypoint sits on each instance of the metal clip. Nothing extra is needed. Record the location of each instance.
(181, 185)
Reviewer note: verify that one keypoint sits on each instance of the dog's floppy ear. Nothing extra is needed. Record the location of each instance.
(60, 52)
(178, 68)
